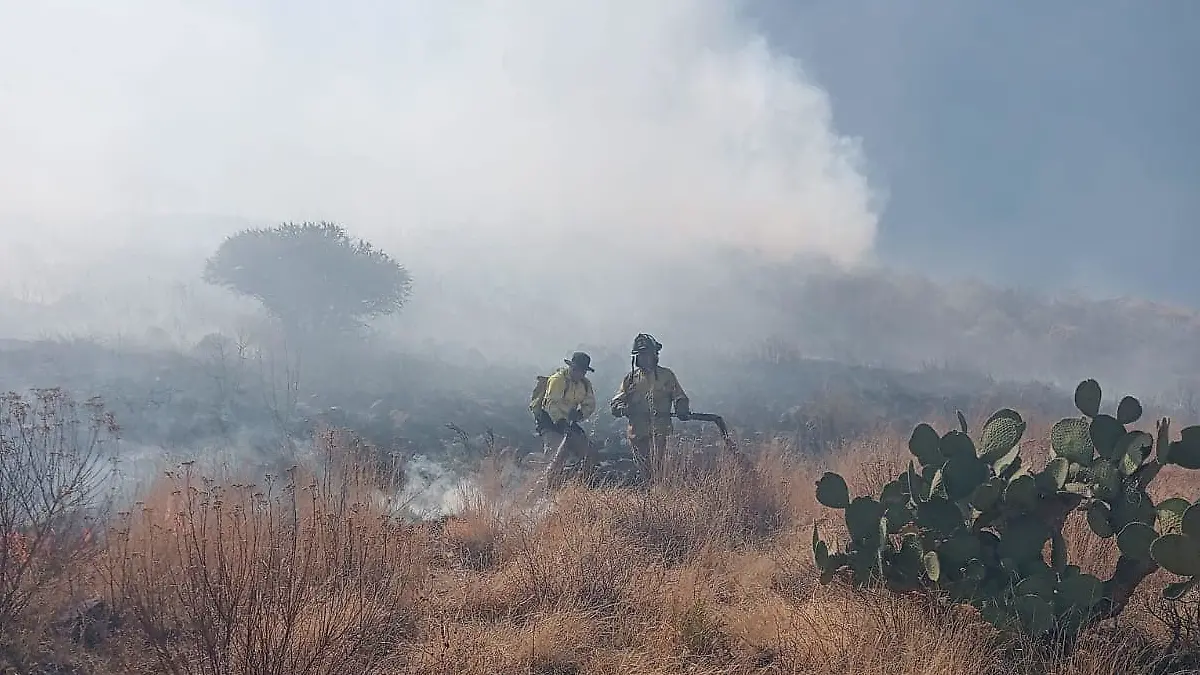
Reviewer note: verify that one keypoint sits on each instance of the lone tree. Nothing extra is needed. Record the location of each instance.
(311, 276)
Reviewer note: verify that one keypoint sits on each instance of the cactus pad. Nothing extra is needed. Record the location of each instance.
(1177, 553)
(956, 444)
(960, 549)
(1036, 613)
(1022, 493)
(862, 519)
(1178, 590)
(820, 551)
(1001, 434)
(924, 444)
(933, 567)
(1071, 438)
(1135, 539)
(939, 515)
(962, 474)
(987, 494)
(894, 493)
(1023, 541)
(1081, 590)
(1041, 585)
(898, 516)
(1186, 451)
(1129, 410)
(1098, 520)
(1170, 515)
(832, 491)
(1132, 508)
(1009, 465)
(1133, 449)
(1104, 478)
(1191, 521)
(1088, 396)
(1105, 431)
(1054, 476)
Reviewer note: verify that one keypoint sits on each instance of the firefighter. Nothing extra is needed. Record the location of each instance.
(567, 400)
(645, 398)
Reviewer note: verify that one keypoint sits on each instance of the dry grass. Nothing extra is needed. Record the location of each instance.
(708, 572)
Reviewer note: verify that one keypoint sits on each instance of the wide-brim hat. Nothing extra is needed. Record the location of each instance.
(582, 360)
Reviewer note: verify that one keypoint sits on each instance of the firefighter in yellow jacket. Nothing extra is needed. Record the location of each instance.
(646, 396)
(568, 399)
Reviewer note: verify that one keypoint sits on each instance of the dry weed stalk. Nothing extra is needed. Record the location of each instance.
(299, 575)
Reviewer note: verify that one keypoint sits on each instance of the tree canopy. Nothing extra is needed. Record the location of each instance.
(311, 276)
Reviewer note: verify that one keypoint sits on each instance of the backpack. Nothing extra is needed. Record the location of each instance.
(539, 392)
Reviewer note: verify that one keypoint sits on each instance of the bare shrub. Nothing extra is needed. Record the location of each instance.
(55, 461)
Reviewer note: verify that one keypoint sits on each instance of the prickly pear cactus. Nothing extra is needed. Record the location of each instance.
(970, 520)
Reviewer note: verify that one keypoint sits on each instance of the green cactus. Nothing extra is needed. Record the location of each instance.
(970, 518)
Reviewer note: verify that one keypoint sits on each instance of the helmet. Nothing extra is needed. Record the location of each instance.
(644, 343)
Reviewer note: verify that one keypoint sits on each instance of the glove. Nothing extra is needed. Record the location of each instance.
(575, 415)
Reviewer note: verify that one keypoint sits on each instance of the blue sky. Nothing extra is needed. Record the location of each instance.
(1052, 143)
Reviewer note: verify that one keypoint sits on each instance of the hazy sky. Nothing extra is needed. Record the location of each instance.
(1033, 141)
(994, 136)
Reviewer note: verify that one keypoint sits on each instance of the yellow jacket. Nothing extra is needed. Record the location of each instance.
(647, 395)
(564, 395)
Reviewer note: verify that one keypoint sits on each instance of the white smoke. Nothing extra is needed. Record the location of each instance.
(519, 124)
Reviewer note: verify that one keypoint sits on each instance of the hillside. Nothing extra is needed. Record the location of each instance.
(709, 571)
(359, 506)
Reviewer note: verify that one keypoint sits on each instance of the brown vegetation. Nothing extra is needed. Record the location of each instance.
(708, 572)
